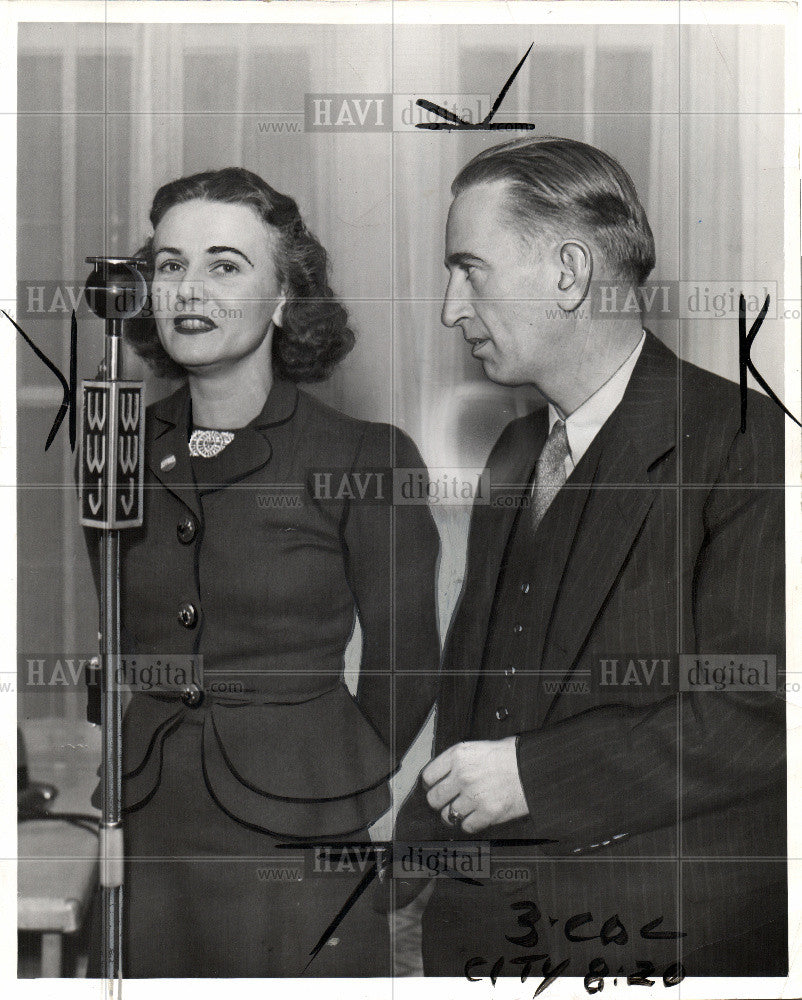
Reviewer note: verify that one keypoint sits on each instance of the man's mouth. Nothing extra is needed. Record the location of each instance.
(193, 324)
(477, 343)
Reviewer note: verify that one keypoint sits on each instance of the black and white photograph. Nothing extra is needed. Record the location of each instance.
(402, 456)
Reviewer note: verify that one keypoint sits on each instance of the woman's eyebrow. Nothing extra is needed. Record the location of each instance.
(210, 250)
(216, 250)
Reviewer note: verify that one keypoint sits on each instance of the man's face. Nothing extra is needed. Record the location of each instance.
(501, 289)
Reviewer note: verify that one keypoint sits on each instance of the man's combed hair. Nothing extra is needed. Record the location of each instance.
(555, 181)
(314, 334)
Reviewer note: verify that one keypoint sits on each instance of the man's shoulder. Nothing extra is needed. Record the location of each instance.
(519, 434)
(712, 406)
(723, 431)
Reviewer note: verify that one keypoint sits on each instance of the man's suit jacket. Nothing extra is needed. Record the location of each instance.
(669, 540)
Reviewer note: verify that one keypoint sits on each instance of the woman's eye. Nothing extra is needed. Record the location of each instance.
(226, 267)
(168, 267)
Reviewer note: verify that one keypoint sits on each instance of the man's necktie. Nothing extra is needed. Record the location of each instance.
(550, 470)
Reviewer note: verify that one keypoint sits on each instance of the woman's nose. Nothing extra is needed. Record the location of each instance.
(190, 287)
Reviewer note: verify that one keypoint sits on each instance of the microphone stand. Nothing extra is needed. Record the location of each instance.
(111, 493)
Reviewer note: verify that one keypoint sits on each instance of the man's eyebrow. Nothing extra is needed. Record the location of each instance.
(461, 258)
(210, 250)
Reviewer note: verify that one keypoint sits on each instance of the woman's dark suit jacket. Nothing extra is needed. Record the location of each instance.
(260, 570)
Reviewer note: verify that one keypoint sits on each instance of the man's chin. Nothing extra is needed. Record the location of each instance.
(496, 374)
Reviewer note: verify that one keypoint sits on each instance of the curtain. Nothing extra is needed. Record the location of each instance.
(108, 113)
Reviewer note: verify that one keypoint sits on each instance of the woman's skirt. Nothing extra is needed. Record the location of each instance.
(205, 896)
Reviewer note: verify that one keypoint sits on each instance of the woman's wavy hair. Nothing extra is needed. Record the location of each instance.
(314, 334)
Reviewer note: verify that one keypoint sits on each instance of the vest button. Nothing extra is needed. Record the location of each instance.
(517, 628)
(185, 529)
(192, 696)
(502, 713)
(187, 615)
(524, 588)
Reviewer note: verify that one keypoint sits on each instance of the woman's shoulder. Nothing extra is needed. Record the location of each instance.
(313, 410)
(375, 442)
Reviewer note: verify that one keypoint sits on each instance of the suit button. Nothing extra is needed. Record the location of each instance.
(187, 615)
(185, 529)
(517, 628)
(192, 696)
(524, 588)
(502, 713)
(509, 671)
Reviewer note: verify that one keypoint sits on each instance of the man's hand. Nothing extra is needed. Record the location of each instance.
(479, 781)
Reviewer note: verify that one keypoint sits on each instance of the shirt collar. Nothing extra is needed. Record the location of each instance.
(587, 420)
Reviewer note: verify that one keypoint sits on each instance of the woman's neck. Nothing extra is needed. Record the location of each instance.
(229, 399)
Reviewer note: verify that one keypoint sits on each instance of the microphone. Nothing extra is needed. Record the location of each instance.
(111, 486)
(111, 478)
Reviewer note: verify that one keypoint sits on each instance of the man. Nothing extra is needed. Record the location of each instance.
(640, 818)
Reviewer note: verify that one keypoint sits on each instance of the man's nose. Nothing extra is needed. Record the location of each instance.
(456, 304)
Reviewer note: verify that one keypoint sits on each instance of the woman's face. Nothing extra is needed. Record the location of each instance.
(215, 292)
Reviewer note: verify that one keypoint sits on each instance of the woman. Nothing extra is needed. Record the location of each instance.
(267, 531)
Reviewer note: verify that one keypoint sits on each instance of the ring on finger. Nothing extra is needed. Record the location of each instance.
(454, 817)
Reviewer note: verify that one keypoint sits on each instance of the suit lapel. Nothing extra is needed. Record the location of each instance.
(249, 452)
(612, 518)
(168, 453)
(488, 544)
(614, 503)
(251, 449)
(513, 481)
(556, 538)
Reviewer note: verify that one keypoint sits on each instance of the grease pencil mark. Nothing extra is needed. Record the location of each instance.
(453, 123)
(745, 363)
(69, 388)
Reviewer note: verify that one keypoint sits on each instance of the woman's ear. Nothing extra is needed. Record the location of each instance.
(278, 312)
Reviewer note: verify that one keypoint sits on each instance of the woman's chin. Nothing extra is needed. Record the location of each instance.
(202, 364)
(192, 353)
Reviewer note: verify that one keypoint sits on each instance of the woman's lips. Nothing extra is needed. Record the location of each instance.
(193, 324)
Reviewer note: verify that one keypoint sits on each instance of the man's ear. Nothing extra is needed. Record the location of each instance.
(278, 312)
(576, 270)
